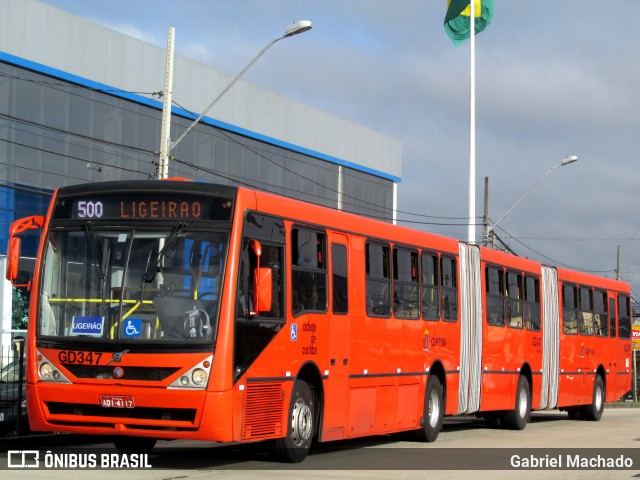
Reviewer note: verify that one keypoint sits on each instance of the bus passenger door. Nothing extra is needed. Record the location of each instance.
(337, 383)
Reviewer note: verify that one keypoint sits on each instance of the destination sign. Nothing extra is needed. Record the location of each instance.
(144, 206)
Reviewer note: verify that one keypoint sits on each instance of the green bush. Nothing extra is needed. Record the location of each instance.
(20, 310)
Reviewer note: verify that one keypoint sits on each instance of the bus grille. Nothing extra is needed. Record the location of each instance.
(263, 411)
(130, 373)
(146, 413)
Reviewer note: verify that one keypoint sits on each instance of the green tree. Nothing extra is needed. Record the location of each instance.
(20, 310)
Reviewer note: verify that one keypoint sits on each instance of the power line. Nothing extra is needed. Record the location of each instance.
(556, 262)
(67, 88)
(361, 202)
(68, 156)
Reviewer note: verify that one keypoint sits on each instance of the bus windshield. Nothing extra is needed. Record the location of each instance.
(131, 285)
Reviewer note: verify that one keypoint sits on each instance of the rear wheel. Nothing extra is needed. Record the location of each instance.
(301, 424)
(516, 419)
(433, 411)
(594, 411)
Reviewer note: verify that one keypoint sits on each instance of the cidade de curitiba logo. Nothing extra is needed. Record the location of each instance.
(85, 459)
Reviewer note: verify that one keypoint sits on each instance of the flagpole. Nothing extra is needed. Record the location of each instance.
(472, 124)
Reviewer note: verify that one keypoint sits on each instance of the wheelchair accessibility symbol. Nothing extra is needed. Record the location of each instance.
(294, 332)
(132, 328)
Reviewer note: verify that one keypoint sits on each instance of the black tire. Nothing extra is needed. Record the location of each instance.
(575, 413)
(433, 411)
(301, 425)
(134, 444)
(594, 411)
(516, 419)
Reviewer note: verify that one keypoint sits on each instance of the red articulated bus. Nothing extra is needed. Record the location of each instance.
(176, 309)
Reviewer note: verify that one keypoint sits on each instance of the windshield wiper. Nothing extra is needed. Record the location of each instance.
(96, 251)
(170, 243)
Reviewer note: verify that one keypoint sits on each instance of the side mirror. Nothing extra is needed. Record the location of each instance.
(262, 289)
(13, 250)
(13, 258)
(262, 282)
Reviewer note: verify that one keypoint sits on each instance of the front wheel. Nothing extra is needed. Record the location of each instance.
(594, 411)
(433, 410)
(516, 419)
(295, 446)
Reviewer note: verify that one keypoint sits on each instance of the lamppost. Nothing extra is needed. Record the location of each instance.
(293, 29)
(488, 230)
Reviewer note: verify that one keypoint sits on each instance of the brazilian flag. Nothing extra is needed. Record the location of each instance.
(457, 20)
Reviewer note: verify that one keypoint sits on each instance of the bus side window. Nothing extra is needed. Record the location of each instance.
(406, 289)
(255, 329)
(586, 311)
(514, 299)
(309, 271)
(600, 314)
(449, 283)
(532, 303)
(570, 309)
(430, 287)
(378, 284)
(612, 318)
(495, 296)
(624, 317)
(340, 296)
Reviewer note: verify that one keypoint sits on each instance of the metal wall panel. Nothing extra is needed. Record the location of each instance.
(48, 36)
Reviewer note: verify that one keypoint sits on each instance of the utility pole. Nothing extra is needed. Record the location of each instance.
(618, 265)
(163, 161)
(485, 216)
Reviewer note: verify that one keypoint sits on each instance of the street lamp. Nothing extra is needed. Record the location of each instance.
(565, 161)
(296, 28)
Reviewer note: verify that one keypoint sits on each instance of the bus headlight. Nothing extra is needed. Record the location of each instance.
(46, 371)
(196, 377)
(199, 377)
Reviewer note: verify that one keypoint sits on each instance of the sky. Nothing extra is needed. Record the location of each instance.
(554, 78)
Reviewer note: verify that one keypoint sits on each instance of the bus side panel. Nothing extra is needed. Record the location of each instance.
(498, 375)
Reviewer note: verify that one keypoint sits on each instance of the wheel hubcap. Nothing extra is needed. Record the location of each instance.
(434, 409)
(598, 399)
(522, 403)
(301, 422)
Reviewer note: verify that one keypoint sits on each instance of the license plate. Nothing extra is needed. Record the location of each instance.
(116, 401)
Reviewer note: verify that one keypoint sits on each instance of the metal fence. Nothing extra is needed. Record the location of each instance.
(13, 392)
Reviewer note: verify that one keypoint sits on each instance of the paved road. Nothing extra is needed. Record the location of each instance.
(467, 448)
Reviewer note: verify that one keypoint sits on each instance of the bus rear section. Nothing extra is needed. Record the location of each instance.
(595, 343)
